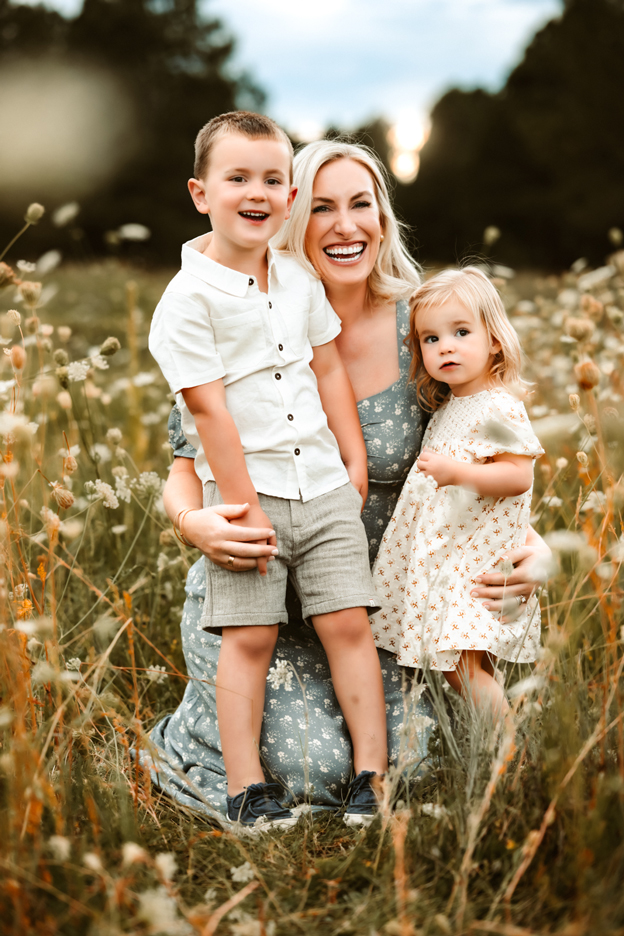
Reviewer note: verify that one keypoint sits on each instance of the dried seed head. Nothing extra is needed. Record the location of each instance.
(64, 400)
(69, 464)
(13, 316)
(61, 357)
(592, 307)
(590, 423)
(63, 378)
(7, 276)
(30, 292)
(579, 328)
(31, 325)
(575, 402)
(64, 332)
(61, 495)
(111, 346)
(113, 436)
(561, 463)
(46, 345)
(587, 375)
(18, 357)
(34, 213)
(582, 459)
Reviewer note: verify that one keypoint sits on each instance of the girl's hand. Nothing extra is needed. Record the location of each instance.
(211, 532)
(439, 467)
(531, 569)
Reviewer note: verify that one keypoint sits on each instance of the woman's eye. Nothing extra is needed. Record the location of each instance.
(362, 204)
(320, 208)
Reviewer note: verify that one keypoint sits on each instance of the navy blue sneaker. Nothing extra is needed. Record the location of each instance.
(259, 806)
(362, 804)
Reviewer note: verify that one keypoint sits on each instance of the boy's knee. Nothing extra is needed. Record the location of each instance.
(252, 641)
(348, 626)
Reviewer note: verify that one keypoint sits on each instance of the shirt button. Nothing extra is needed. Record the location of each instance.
(291, 417)
(281, 347)
(297, 451)
(251, 282)
(278, 376)
(270, 306)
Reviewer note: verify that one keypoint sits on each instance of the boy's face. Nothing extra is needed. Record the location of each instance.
(246, 190)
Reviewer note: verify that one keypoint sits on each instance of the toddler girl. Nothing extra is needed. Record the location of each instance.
(467, 499)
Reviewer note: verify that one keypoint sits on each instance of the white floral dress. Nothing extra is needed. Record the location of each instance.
(440, 539)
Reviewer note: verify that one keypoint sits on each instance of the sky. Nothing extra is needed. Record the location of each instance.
(342, 62)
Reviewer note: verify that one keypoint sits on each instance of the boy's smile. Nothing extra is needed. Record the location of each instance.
(247, 193)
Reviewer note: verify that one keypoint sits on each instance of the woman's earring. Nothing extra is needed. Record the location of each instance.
(381, 237)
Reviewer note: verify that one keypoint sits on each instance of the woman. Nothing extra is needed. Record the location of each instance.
(343, 229)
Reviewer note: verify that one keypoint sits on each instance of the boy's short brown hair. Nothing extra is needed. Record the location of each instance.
(254, 126)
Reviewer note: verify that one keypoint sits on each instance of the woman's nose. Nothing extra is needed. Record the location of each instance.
(344, 224)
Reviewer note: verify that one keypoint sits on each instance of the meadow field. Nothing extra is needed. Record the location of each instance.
(516, 835)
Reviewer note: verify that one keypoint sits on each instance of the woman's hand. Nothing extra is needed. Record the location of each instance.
(532, 563)
(210, 531)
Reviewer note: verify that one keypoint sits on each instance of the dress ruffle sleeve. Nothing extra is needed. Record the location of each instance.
(504, 429)
(177, 440)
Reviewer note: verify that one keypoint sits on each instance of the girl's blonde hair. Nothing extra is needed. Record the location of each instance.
(395, 274)
(473, 289)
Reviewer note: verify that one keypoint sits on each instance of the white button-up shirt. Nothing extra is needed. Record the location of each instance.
(214, 323)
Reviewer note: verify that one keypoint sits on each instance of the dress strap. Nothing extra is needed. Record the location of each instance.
(402, 322)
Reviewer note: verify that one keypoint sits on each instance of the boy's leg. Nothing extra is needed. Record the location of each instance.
(241, 682)
(356, 674)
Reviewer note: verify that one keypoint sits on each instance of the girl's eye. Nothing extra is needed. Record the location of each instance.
(462, 332)
(430, 339)
(237, 178)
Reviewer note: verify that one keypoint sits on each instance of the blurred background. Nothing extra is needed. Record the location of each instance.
(505, 116)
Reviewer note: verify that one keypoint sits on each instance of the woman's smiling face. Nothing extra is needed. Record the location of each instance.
(344, 230)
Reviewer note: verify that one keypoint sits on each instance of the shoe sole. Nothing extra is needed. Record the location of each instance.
(279, 825)
(355, 819)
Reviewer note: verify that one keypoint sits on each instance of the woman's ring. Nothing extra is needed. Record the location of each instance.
(521, 600)
(230, 562)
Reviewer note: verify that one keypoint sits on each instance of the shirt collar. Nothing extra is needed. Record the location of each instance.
(195, 262)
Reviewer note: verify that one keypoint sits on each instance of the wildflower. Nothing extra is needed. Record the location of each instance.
(281, 675)
(30, 292)
(587, 374)
(43, 672)
(61, 357)
(92, 861)
(592, 307)
(61, 495)
(595, 501)
(48, 262)
(211, 894)
(134, 232)
(51, 520)
(44, 386)
(526, 686)
(162, 562)
(78, 370)
(74, 664)
(575, 402)
(69, 464)
(158, 910)
(65, 213)
(34, 213)
(561, 463)
(64, 400)
(110, 346)
(491, 235)
(122, 486)
(148, 484)
(552, 501)
(25, 266)
(100, 453)
(157, 674)
(590, 423)
(166, 865)
(99, 362)
(14, 317)
(64, 332)
(118, 529)
(243, 873)
(579, 328)
(72, 528)
(62, 374)
(7, 276)
(433, 809)
(60, 847)
(107, 494)
(18, 357)
(32, 325)
(582, 459)
(113, 436)
(132, 853)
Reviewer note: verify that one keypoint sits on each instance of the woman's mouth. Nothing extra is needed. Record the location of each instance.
(255, 217)
(350, 253)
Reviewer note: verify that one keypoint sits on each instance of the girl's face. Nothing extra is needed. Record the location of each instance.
(344, 230)
(456, 348)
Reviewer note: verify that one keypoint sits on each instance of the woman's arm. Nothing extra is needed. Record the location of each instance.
(532, 564)
(208, 528)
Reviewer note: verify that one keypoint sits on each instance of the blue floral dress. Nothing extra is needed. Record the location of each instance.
(304, 742)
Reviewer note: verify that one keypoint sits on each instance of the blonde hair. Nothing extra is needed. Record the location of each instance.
(395, 274)
(473, 289)
(253, 126)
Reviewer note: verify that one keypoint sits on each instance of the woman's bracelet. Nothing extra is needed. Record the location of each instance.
(177, 525)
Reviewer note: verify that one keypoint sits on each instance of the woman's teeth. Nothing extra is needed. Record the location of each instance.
(345, 254)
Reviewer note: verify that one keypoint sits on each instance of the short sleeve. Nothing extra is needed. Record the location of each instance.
(177, 440)
(183, 344)
(323, 323)
(504, 428)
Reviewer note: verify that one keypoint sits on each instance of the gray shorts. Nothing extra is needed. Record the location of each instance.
(322, 548)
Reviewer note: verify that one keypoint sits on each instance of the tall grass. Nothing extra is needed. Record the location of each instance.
(514, 834)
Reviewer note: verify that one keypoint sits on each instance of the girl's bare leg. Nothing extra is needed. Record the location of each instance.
(356, 674)
(473, 679)
(242, 670)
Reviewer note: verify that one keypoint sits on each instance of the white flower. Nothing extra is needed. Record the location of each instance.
(148, 484)
(25, 266)
(210, 894)
(158, 910)
(561, 463)
(166, 865)
(132, 853)
(60, 847)
(243, 873)
(99, 362)
(65, 213)
(433, 809)
(105, 492)
(122, 489)
(78, 370)
(157, 674)
(74, 664)
(51, 520)
(119, 528)
(133, 232)
(552, 501)
(92, 861)
(281, 675)
(526, 686)
(48, 262)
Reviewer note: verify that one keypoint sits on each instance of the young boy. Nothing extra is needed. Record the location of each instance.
(244, 338)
